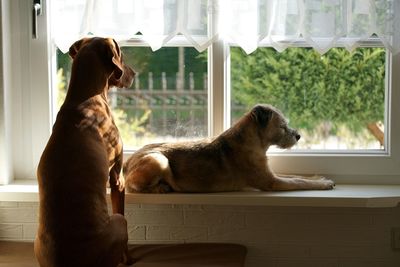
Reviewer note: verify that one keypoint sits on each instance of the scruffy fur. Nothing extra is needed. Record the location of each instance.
(233, 161)
(82, 154)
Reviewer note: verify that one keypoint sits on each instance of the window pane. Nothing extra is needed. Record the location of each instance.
(167, 100)
(335, 100)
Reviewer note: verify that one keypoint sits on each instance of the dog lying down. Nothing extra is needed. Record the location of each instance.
(233, 161)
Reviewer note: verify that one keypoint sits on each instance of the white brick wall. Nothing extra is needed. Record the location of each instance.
(274, 236)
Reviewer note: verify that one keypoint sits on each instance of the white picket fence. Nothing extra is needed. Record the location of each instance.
(164, 98)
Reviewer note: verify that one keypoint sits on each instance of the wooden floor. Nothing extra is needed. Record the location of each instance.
(20, 254)
(17, 254)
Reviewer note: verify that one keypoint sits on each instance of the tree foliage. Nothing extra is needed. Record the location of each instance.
(309, 88)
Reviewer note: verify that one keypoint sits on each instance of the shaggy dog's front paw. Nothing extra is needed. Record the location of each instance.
(327, 183)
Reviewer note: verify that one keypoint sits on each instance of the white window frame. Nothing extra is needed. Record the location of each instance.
(25, 108)
(26, 88)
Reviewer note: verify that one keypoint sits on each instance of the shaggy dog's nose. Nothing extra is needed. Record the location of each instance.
(297, 137)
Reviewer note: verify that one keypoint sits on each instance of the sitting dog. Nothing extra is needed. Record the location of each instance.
(83, 151)
(234, 160)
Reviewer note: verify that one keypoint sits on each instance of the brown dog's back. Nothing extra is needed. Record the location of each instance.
(73, 170)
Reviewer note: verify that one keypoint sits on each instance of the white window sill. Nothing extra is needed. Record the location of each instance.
(344, 195)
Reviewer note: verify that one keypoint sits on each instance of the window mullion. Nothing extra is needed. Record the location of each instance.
(393, 109)
(217, 91)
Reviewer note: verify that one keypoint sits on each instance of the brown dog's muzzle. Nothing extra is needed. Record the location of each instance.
(127, 77)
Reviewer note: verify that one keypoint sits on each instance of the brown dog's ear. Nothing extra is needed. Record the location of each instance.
(73, 50)
(118, 71)
(122, 75)
(116, 59)
(262, 115)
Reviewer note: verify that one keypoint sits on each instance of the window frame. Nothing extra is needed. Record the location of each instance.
(26, 74)
(29, 90)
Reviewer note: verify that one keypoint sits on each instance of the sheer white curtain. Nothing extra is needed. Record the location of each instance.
(323, 24)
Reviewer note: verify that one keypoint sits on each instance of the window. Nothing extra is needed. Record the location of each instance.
(167, 101)
(213, 96)
(336, 100)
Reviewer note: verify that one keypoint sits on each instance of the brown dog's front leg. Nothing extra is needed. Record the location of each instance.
(117, 186)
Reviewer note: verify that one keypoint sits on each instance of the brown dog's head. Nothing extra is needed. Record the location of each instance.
(273, 127)
(107, 49)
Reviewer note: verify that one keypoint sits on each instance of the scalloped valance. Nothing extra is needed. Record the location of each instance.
(322, 24)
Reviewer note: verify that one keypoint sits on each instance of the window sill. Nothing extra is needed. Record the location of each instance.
(344, 195)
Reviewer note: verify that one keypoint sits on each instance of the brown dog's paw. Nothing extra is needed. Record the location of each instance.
(128, 260)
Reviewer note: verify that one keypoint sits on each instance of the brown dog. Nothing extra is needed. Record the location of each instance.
(233, 161)
(82, 152)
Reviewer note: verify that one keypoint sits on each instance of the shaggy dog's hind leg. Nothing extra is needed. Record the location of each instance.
(149, 174)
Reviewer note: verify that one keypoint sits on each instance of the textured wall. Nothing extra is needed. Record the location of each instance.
(275, 236)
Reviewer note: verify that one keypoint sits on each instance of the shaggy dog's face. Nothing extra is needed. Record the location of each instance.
(274, 127)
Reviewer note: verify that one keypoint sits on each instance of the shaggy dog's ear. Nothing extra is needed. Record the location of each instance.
(261, 115)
